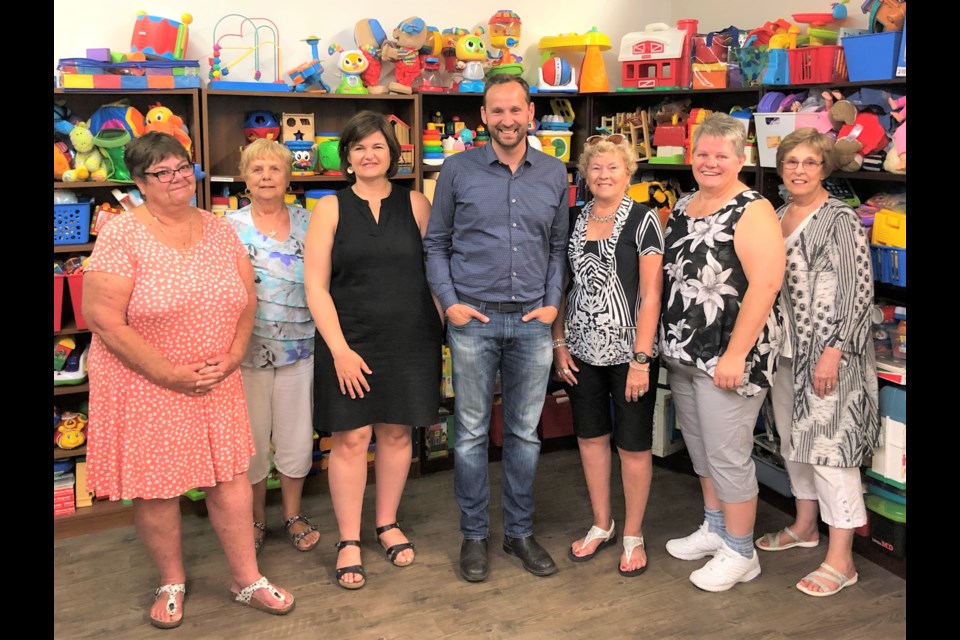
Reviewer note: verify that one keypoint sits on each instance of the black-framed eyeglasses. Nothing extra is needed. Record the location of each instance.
(808, 164)
(166, 175)
(613, 138)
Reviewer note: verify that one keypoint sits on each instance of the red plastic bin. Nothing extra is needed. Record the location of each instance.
(57, 302)
(824, 63)
(75, 283)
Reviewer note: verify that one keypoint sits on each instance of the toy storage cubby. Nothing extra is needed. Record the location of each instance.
(68, 291)
(224, 114)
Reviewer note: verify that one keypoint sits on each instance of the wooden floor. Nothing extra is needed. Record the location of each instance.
(103, 582)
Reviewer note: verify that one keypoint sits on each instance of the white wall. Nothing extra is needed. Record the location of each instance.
(109, 23)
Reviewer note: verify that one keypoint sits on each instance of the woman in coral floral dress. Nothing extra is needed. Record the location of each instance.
(170, 301)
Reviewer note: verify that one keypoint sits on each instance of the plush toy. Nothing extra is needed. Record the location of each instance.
(61, 160)
(87, 162)
(841, 111)
(160, 118)
(899, 113)
(69, 434)
(864, 137)
(404, 51)
(370, 36)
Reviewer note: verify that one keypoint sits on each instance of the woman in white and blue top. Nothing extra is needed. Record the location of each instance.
(278, 367)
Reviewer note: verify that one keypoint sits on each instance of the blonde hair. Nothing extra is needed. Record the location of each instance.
(263, 148)
(604, 145)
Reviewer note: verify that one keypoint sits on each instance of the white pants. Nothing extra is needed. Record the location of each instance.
(280, 404)
(838, 490)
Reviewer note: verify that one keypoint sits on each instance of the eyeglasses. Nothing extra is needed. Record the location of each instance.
(166, 175)
(808, 164)
(613, 138)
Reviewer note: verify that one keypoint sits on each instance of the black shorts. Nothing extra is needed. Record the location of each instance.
(599, 392)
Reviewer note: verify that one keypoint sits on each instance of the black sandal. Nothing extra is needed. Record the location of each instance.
(397, 549)
(258, 541)
(357, 568)
(297, 537)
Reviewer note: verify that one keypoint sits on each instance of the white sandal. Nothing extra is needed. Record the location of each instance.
(171, 607)
(830, 574)
(609, 537)
(629, 544)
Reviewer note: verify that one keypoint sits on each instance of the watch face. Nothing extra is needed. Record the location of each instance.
(641, 357)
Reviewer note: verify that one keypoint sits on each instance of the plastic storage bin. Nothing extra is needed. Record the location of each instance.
(773, 476)
(773, 127)
(872, 56)
(75, 284)
(57, 302)
(824, 63)
(889, 265)
(71, 223)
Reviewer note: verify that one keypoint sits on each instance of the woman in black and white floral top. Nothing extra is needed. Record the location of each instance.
(719, 338)
(604, 345)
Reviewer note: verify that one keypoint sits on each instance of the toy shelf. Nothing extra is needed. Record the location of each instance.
(72, 389)
(102, 514)
(224, 114)
(73, 248)
(62, 454)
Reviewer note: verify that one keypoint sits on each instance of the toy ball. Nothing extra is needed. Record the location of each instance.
(261, 124)
(557, 72)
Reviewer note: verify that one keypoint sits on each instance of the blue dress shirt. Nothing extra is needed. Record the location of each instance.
(498, 236)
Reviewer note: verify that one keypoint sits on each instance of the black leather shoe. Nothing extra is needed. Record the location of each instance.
(474, 565)
(535, 558)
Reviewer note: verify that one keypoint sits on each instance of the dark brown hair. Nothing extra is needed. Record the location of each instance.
(359, 127)
(149, 149)
(504, 78)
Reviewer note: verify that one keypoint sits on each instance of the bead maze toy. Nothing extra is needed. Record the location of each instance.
(505, 28)
(593, 72)
(246, 33)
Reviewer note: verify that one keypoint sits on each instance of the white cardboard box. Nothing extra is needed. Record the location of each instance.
(890, 459)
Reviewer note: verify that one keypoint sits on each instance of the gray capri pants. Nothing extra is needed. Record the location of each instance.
(717, 427)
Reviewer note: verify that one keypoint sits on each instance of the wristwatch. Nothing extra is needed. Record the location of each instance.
(641, 357)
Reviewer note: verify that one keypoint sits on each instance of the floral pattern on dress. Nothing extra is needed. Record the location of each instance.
(703, 289)
(603, 301)
(283, 329)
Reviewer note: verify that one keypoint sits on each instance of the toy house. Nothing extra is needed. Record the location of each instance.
(657, 57)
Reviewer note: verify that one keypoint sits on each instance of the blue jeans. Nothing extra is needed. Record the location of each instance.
(522, 352)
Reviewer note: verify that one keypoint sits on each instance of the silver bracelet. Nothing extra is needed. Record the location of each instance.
(561, 342)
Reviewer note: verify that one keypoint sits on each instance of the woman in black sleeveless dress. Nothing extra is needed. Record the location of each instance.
(378, 363)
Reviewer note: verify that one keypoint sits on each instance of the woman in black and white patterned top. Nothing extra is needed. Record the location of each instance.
(719, 338)
(825, 394)
(604, 345)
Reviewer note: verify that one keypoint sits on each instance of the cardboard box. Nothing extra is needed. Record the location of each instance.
(556, 419)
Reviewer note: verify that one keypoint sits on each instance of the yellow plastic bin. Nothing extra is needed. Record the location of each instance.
(559, 141)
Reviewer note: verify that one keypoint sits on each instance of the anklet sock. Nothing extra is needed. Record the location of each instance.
(741, 544)
(715, 522)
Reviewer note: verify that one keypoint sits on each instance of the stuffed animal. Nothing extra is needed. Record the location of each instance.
(404, 51)
(899, 113)
(370, 36)
(69, 434)
(61, 160)
(87, 162)
(160, 118)
(864, 137)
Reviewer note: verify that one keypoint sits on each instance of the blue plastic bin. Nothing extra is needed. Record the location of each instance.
(889, 265)
(71, 223)
(872, 56)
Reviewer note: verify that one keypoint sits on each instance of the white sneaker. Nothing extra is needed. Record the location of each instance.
(699, 544)
(725, 570)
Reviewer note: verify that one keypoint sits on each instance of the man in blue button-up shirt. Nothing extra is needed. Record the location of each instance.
(495, 254)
